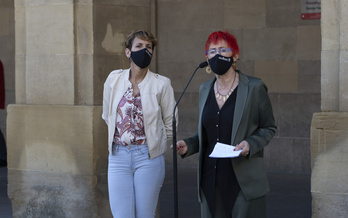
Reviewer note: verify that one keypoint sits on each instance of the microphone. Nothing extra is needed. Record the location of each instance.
(175, 175)
(203, 64)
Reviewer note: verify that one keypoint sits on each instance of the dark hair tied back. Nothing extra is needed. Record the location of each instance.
(141, 34)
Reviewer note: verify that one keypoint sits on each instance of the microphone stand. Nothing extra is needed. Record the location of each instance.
(175, 173)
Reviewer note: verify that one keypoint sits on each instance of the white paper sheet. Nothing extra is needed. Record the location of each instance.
(224, 151)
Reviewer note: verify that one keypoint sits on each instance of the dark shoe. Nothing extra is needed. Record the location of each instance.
(3, 163)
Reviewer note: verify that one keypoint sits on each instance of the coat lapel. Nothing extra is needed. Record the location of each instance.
(242, 94)
(119, 87)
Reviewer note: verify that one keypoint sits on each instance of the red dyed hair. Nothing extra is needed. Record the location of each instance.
(218, 36)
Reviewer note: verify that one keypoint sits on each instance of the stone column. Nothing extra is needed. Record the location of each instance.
(57, 141)
(329, 129)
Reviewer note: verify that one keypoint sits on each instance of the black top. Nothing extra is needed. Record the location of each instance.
(218, 172)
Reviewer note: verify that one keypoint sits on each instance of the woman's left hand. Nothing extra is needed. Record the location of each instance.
(244, 146)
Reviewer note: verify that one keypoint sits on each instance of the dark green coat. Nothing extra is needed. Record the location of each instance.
(254, 122)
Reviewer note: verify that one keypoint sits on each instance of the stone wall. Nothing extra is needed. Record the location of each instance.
(57, 140)
(329, 141)
(57, 161)
(329, 149)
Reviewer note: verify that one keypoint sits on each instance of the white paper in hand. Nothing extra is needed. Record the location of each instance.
(224, 151)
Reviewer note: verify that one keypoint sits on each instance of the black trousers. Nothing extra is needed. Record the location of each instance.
(243, 208)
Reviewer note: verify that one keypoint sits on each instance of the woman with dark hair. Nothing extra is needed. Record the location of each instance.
(234, 109)
(137, 107)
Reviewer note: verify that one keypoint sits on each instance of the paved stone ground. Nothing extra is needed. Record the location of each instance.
(289, 197)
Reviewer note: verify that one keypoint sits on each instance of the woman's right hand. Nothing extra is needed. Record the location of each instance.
(181, 147)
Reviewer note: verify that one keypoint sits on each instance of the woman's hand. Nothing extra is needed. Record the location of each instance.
(181, 147)
(244, 146)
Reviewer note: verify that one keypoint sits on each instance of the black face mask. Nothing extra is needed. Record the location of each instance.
(141, 58)
(220, 64)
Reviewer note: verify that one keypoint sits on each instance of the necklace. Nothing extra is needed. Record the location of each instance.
(218, 95)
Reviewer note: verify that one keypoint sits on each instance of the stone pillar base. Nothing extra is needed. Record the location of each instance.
(329, 155)
(57, 161)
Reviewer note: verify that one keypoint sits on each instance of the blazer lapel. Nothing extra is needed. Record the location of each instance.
(119, 86)
(242, 94)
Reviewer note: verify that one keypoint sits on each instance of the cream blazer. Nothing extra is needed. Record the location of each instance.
(157, 99)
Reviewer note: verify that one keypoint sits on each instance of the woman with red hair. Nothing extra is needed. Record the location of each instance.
(234, 109)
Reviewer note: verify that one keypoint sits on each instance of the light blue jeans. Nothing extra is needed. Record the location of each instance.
(134, 181)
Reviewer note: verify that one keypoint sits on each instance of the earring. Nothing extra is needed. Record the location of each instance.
(208, 70)
(234, 65)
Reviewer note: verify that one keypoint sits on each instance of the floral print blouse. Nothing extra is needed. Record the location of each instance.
(129, 120)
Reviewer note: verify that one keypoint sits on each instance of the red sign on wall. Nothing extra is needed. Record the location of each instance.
(311, 9)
